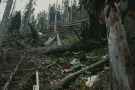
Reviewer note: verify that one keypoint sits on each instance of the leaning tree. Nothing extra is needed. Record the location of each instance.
(5, 19)
(119, 18)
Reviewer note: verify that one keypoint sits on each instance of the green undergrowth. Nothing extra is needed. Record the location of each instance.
(69, 38)
(69, 62)
(58, 66)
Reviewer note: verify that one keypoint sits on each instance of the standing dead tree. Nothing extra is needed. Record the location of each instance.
(4, 23)
(122, 68)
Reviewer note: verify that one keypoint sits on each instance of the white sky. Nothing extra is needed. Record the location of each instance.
(20, 5)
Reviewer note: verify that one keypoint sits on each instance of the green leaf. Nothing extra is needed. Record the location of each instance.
(88, 72)
(106, 68)
(75, 53)
(61, 60)
(78, 80)
(76, 66)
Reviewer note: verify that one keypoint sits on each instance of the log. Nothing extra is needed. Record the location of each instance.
(67, 47)
(72, 76)
(13, 73)
(47, 50)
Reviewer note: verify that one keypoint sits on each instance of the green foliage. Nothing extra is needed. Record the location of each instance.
(74, 9)
(15, 24)
(78, 80)
(75, 53)
(76, 66)
(28, 12)
(52, 14)
(96, 54)
(41, 20)
(96, 5)
(46, 62)
(88, 72)
(70, 38)
(106, 68)
(61, 60)
(93, 56)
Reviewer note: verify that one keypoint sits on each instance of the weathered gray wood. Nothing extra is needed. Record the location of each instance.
(3, 25)
(72, 76)
(51, 39)
(122, 69)
(58, 39)
(70, 24)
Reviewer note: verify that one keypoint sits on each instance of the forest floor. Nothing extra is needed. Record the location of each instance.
(55, 66)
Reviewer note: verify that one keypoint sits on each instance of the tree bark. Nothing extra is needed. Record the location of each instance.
(129, 24)
(122, 68)
(3, 26)
(72, 76)
(66, 47)
(47, 50)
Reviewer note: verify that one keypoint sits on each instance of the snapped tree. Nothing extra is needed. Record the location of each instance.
(115, 12)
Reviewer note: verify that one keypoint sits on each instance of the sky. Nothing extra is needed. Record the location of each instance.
(20, 5)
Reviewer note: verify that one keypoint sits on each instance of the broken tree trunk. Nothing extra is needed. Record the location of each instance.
(58, 39)
(121, 65)
(50, 40)
(72, 76)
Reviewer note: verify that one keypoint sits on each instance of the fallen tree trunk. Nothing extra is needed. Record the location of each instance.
(13, 73)
(47, 50)
(66, 47)
(72, 76)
